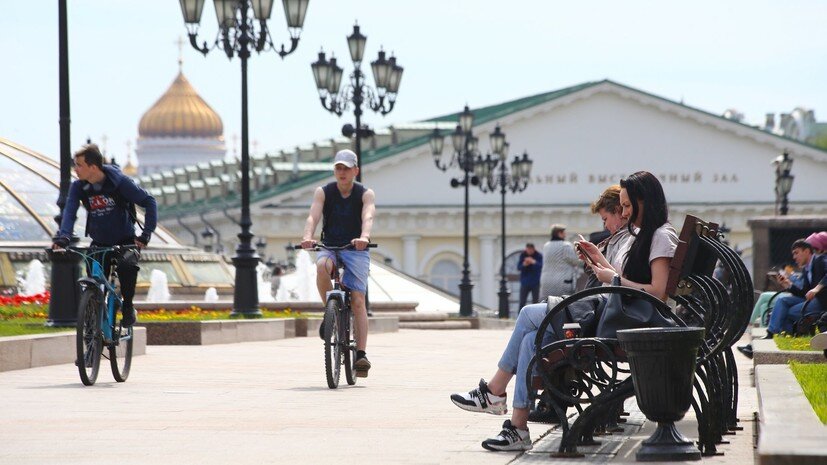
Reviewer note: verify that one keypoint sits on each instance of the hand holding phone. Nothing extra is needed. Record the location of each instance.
(587, 258)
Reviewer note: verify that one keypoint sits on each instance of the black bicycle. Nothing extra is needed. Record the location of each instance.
(338, 325)
(97, 311)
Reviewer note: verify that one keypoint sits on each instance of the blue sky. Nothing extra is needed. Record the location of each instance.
(755, 56)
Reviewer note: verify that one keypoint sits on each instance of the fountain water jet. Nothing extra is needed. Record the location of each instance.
(35, 280)
(299, 286)
(158, 287)
(264, 293)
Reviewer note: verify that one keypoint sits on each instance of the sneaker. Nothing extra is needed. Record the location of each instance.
(321, 330)
(362, 365)
(481, 399)
(543, 413)
(746, 350)
(129, 316)
(510, 438)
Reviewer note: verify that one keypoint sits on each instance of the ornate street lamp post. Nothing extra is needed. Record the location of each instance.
(240, 32)
(65, 270)
(514, 180)
(465, 149)
(783, 182)
(328, 76)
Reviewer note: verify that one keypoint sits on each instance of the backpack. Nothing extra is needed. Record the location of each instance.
(120, 202)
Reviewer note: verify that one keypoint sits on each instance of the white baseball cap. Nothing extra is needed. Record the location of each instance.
(345, 157)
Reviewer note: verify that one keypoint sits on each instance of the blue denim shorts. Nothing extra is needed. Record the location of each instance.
(357, 267)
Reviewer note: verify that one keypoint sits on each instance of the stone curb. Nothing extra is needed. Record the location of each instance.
(233, 331)
(37, 350)
(790, 431)
(314, 306)
(766, 352)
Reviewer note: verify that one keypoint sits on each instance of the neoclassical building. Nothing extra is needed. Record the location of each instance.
(581, 138)
(180, 129)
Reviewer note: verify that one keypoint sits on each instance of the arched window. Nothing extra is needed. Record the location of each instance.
(446, 274)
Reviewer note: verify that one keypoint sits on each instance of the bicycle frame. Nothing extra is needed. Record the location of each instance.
(106, 287)
(338, 292)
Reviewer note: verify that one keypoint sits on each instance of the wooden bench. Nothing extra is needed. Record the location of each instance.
(591, 374)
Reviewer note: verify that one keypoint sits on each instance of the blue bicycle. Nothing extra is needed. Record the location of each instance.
(97, 310)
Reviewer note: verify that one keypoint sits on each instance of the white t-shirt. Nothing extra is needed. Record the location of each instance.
(664, 242)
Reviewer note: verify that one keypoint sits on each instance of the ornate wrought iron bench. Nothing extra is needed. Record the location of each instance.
(591, 374)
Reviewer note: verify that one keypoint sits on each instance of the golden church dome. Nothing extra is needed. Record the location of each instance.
(180, 112)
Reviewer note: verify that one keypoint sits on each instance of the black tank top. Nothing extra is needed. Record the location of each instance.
(342, 220)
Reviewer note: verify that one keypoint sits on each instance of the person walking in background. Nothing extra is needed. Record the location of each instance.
(560, 265)
(530, 265)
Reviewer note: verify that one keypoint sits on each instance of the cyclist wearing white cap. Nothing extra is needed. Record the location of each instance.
(347, 209)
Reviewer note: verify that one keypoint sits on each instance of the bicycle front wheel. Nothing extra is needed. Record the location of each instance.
(349, 336)
(332, 345)
(89, 340)
(120, 356)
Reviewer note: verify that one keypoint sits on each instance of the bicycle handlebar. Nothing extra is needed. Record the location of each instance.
(95, 249)
(319, 246)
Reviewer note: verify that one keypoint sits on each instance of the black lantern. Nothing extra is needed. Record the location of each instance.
(242, 28)
(208, 236)
(261, 246)
(291, 255)
(328, 76)
(783, 182)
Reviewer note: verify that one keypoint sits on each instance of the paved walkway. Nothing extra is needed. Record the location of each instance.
(267, 402)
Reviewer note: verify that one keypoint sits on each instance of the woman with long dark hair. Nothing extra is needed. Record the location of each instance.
(647, 264)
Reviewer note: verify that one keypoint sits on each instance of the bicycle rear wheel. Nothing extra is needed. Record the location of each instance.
(88, 341)
(332, 346)
(349, 336)
(120, 356)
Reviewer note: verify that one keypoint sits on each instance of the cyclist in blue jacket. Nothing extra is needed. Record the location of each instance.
(109, 197)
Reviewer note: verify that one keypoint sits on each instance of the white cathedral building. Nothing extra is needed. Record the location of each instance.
(581, 138)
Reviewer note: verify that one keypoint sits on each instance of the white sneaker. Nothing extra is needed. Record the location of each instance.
(510, 438)
(481, 400)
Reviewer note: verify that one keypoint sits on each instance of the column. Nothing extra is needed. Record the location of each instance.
(409, 254)
(486, 288)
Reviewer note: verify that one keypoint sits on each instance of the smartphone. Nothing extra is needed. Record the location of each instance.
(583, 252)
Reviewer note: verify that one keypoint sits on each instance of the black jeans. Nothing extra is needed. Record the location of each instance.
(127, 267)
(535, 294)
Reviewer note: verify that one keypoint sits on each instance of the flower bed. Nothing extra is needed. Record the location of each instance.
(195, 313)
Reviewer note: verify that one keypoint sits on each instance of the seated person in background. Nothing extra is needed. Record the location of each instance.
(650, 249)
(788, 309)
(818, 241)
